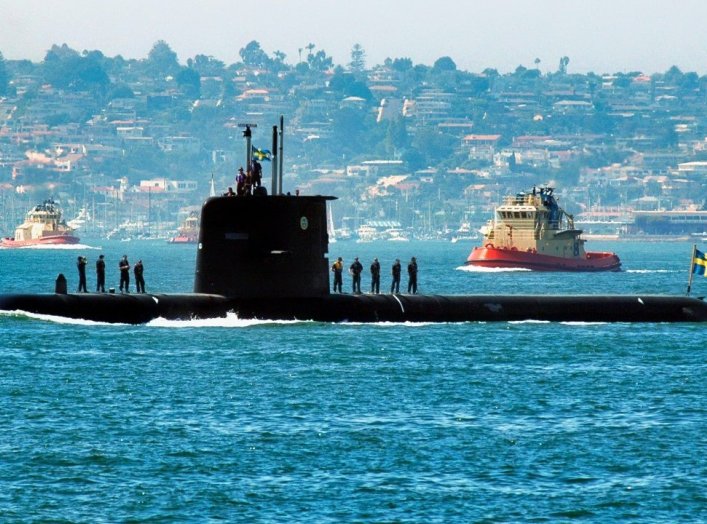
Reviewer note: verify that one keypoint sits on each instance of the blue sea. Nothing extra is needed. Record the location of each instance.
(254, 421)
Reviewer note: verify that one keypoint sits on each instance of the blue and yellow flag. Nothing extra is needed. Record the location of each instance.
(699, 263)
(261, 154)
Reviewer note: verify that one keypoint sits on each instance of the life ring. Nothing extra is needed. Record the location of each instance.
(489, 246)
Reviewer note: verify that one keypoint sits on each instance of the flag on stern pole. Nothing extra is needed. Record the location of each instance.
(698, 264)
(261, 154)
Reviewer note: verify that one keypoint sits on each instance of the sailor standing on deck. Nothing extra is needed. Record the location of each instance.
(81, 264)
(395, 286)
(412, 276)
(100, 275)
(356, 269)
(139, 280)
(256, 173)
(338, 267)
(375, 276)
(124, 267)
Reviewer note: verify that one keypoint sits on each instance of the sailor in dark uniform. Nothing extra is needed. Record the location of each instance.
(375, 276)
(257, 173)
(395, 286)
(356, 269)
(139, 280)
(412, 276)
(81, 264)
(124, 267)
(100, 275)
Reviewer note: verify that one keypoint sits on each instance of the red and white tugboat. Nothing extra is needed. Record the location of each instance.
(188, 232)
(42, 226)
(531, 231)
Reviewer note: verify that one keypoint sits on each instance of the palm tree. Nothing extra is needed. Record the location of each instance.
(309, 47)
(563, 64)
(279, 56)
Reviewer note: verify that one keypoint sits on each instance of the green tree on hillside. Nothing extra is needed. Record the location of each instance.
(120, 91)
(207, 65)
(278, 61)
(162, 61)
(189, 81)
(358, 59)
(253, 55)
(401, 64)
(347, 85)
(673, 75)
(64, 68)
(319, 61)
(444, 63)
(351, 128)
(564, 62)
(396, 136)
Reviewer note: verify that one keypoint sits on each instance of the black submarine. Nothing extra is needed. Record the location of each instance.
(265, 256)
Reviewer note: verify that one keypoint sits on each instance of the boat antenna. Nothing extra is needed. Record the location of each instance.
(274, 190)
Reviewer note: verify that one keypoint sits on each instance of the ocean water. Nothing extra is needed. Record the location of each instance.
(252, 421)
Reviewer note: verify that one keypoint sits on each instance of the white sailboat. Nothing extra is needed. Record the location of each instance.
(330, 225)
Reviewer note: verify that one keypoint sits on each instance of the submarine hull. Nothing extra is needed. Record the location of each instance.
(137, 309)
(122, 309)
(475, 308)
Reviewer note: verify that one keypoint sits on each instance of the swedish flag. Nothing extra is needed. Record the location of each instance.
(261, 154)
(699, 263)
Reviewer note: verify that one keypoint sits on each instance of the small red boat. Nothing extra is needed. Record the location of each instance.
(531, 231)
(42, 226)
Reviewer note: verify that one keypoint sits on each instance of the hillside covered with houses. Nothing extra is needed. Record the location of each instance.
(428, 149)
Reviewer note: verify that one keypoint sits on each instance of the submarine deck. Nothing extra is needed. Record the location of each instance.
(141, 308)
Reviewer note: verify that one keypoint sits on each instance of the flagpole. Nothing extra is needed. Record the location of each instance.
(280, 154)
(273, 190)
(692, 267)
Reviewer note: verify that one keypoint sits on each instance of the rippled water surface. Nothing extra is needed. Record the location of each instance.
(259, 421)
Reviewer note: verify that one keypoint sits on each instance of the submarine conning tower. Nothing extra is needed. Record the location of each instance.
(264, 246)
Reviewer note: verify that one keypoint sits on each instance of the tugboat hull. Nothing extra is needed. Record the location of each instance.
(49, 240)
(183, 240)
(493, 257)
